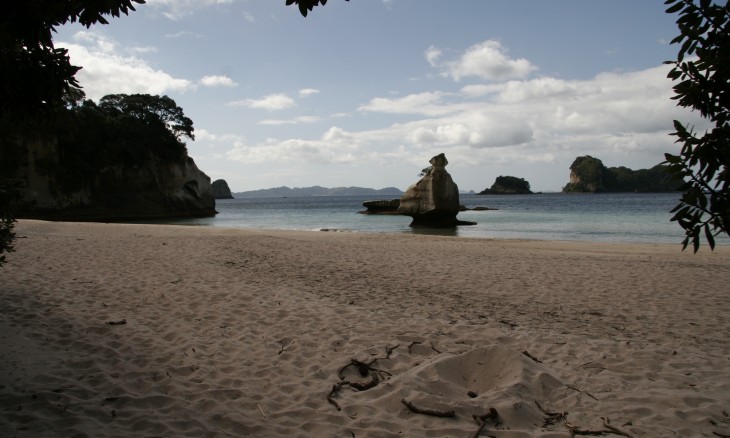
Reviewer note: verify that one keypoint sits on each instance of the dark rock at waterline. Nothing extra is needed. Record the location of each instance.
(387, 206)
(221, 189)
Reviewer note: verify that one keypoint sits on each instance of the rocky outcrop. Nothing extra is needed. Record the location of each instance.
(508, 185)
(386, 206)
(589, 175)
(434, 200)
(390, 206)
(156, 189)
(221, 190)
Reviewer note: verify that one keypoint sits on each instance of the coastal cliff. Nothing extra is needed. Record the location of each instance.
(155, 189)
(121, 159)
(589, 175)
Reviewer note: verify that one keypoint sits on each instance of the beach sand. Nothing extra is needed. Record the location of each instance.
(156, 330)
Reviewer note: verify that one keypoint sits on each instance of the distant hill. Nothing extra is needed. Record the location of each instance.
(281, 192)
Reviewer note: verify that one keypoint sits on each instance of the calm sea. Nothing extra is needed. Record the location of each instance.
(624, 217)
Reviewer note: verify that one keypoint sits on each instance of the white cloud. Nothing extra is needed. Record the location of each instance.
(107, 70)
(335, 146)
(295, 121)
(217, 81)
(426, 103)
(272, 102)
(477, 90)
(487, 60)
(183, 34)
(143, 50)
(476, 129)
(432, 55)
(542, 120)
(620, 117)
(308, 92)
(176, 9)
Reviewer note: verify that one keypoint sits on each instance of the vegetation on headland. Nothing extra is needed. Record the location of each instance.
(508, 185)
(589, 175)
(128, 130)
(122, 129)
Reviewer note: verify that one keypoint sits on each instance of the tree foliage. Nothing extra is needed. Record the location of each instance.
(153, 111)
(702, 83)
(9, 195)
(306, 6)
(121, 130)
(34, 75)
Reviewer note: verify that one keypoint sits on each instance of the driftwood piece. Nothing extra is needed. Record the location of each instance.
(363, 369)
(582, 392)
(608, 430)
(511, 325)
(531, 356)
(425, 411)
(482, 421)
(120, 322)
(333, 393)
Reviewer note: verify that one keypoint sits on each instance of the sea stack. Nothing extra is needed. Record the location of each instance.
(434, 200)
(221, 190)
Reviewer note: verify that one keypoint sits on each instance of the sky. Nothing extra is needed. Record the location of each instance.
(364, 93)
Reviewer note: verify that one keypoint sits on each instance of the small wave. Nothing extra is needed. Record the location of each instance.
(335, 230)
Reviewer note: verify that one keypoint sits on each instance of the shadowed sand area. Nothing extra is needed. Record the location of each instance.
(156, 330)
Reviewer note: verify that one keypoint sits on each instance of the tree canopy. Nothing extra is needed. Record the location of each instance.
(121, 130)
(34, 75)
(306, 6)
(151, 110)
(702, 83)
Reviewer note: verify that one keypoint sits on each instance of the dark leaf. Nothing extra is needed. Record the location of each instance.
(675, 8)
(710, 238)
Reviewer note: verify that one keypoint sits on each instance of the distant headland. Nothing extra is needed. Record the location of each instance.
(589, 175)
(284, 191)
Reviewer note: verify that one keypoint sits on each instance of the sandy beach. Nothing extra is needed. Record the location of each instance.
(112, 330)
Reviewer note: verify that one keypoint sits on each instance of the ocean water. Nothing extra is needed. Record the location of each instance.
(624, 217)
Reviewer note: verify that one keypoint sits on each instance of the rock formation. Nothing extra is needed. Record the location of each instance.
(154, 190)
(386, 206)
(589, 175)
(434, 200)
(221, 190)
(508, 185)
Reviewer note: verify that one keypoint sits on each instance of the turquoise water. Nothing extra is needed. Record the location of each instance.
(625, 217)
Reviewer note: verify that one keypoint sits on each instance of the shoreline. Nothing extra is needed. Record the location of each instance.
(229, 332)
